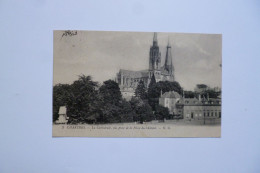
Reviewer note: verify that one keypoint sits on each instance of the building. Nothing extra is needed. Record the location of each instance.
(169, 100)
(191, 108)
(128, 80)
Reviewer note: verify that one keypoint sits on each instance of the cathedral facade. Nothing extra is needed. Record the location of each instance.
(128, 80)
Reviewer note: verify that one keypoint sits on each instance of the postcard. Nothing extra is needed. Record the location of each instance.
(136, 84)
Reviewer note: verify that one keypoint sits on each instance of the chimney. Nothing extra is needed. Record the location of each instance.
(199, 97)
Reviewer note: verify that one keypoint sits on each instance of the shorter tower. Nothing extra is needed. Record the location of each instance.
(168, 69)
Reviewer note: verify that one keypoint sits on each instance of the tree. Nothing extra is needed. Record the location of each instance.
(60, 98)
(83, 103)
(153, 81)
(152, 93)
(202, 86)
(145, 113)
(167, 86)
(161, 112)
(141, 91)
(210, 93)
(142, 111)
(110, 92)
(206, 91)
(126, 112)
(110, 113)
(155, 89)
(189, 94)
(111, 100)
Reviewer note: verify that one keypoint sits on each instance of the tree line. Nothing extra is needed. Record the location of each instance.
(87, 102)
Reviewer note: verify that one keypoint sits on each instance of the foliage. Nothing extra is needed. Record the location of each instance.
(153, 81)
(110, 92)
(142, 111)
(126, 112)
(204, 94)
(83, 102)
(86, 102)
(111, 100)
(189, 94)
(167, 86)
(61, 94)
(200, 86)
(154, 91)
(152, 94)
(210, 93)
(161, 112)
(140, 91)
(207, 91)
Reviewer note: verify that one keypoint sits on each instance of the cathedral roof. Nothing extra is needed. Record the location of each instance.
(134, 74)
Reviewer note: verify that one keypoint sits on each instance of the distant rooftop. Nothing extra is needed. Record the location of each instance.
(195, 101)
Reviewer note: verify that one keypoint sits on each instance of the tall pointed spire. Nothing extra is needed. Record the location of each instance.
(155, 42)
(168, 67)
(155, 55)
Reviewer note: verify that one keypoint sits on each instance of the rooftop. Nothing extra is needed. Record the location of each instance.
(134, 74)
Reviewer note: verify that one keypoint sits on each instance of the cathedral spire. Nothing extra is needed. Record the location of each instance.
(155, 55)
(168, 67)
(155, 42)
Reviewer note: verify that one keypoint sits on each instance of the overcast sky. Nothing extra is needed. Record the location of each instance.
(197, 58)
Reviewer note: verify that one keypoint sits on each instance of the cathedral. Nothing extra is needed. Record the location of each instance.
(128, 80)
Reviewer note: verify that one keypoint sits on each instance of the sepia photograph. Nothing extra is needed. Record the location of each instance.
(136, 84)
(130, 86)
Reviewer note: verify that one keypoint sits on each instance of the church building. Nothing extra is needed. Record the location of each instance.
(128, 80)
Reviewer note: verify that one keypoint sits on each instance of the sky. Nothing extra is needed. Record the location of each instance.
(197, 58)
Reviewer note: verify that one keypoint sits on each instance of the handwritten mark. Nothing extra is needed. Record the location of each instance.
(69, 33)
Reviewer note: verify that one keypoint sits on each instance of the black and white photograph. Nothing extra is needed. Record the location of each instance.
(136, 84)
